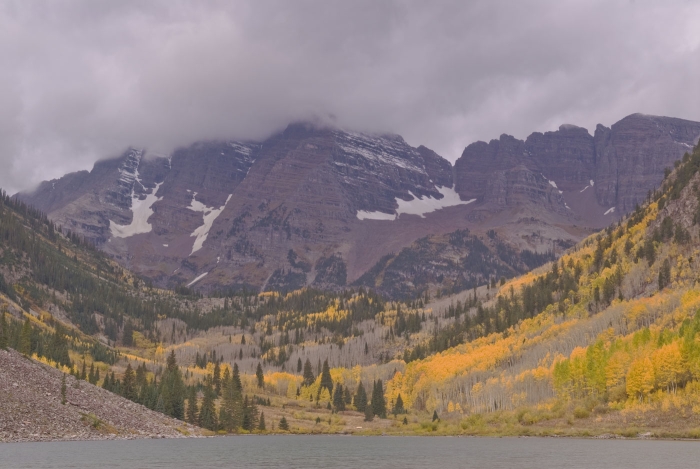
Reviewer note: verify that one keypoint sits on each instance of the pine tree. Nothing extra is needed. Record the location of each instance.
(236, 378)
(216, 379)
(207, 413)
(360, 398)
(128, 335)
(4, 333)
(107, 384)
(260, 376)
(339, 399)
(398, 406)
(91, 374)
(250, 415)
(231, 405)
(326, 380)
(172, 389)
(309, 377)
(261, 424)
(299, 365)
(435, 416)
(284, 426)
(128, 383)
(83, 374)
(192, 406)
(347, 397)
(25, 339)
(369, 415)
(63, 389)
(378, 401)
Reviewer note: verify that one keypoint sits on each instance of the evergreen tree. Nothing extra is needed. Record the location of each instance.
(58, 348)
(360, 398)
(216, 379)
(192, 406)
(4, 332)
(435, 416)
(260, 376)
(83, 374)
(207, 413)
(25, 340)
(398, 406)
(128, 388)
(128, 336)
(299, 365)
(283, 424)
(309, 377)
(250, 415)
(107, 384)
(326, 380)
(347, 398)
(63, 389)
(369, 415)
(231, 405)
(236, 378)
(261, 424)
(378, 402)
(172, 389)
(91, 374)
(339, 398)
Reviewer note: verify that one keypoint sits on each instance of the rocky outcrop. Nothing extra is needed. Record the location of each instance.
(32, 410)
(619, 164)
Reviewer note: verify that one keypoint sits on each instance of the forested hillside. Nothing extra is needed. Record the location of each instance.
(605, 339)
(607, 334)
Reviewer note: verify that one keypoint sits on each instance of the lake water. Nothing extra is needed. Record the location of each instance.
(325, 452)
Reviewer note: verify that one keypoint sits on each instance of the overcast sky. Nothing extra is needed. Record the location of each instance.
(83, 80)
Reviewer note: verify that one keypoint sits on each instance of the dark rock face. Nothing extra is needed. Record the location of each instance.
(320, 206)
(633, 153)
(624, 161)
(448, 263)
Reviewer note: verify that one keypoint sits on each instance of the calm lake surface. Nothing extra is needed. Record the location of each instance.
(305, 452)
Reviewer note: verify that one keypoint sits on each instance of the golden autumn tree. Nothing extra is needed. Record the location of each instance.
(640, 378)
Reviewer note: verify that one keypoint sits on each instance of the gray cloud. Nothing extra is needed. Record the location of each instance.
(82, 80)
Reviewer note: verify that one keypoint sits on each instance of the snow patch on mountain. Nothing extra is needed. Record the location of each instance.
(418, 206)
(141, 211)
(364, 215)
(380, 150)
(552, 183)
(197, 279)
(210, 215)
(610, 210)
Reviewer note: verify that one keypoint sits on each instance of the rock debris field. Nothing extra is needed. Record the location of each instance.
(31, 408)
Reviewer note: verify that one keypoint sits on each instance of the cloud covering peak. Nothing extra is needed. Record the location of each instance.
(83, 80)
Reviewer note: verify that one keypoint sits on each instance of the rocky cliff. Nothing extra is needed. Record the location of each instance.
(619, 165)
(321, 206)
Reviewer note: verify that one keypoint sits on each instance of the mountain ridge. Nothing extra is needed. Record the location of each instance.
(234, 211)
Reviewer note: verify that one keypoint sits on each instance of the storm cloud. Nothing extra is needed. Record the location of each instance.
(83, 80)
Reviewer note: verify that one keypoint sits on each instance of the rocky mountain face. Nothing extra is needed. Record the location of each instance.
(321, 206)
(615, 167)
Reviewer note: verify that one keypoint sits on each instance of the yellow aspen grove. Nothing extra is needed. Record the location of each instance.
(668, 366)
(640, 379)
